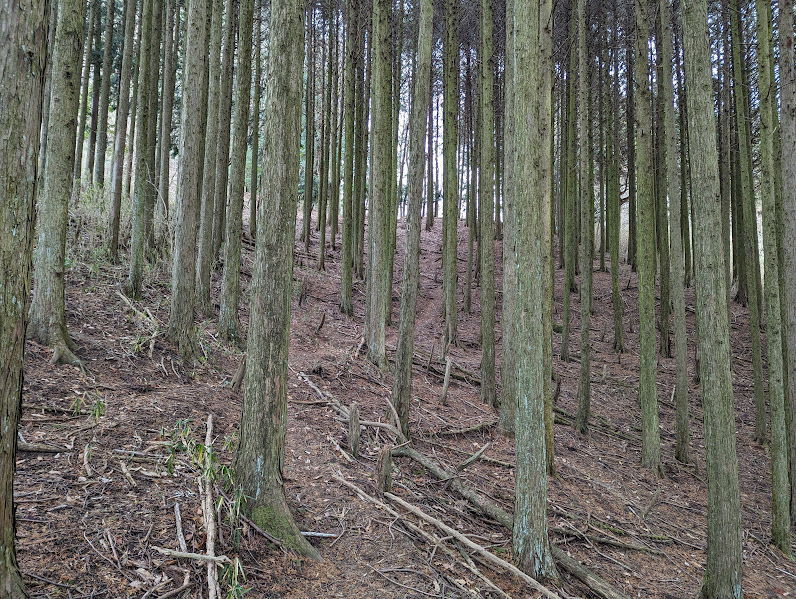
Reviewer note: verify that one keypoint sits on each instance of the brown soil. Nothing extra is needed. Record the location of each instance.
(86, 534)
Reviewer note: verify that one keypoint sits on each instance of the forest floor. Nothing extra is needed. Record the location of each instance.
(90, 511)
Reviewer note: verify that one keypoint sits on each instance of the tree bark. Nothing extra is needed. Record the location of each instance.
(120, 135)
(780, 488)
(451, 202)
(47, 311)
(23, 56)
(530, 541)
(181, 315)
(724, 560)
(102, 122)
(230, 280)
(258, 461)
(402, 385)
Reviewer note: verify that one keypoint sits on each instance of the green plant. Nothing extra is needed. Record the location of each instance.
(234, 577)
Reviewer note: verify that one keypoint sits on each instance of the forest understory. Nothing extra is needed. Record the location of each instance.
(105, 454)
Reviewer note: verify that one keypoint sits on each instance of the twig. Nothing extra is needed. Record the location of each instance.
(39, 448)
(214, 591)
(472, 458)
(86, 449)
(127, 474)
(536, 585)
(186, 584)
(444, 399)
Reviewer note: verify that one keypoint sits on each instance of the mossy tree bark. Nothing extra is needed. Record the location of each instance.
(450, 188)
(586, 189)
(120, 134)
(47, 311)
(780, 488)
(230, 280)
(648, 393)
(181, 316)
(724, 563)
(486, 208)
(402, 385)
(23, 56)
(260, 455)
(204, 262)
(530, 541)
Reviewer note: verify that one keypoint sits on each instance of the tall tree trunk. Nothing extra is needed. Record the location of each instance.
(128, 166)
(402, 385)
(230, 280)
(152, 124)
(378, 241)
(671, 180)
(257, 85)
(530, 541)
(430, 187)
(570, 197)
(102, 126)
(309, 134)
(486, 197)
(181, 316)
(96, 59)
(614, 201)
(224, 130)
(169, 80)
(508, 370)
(52, 18)
(24, 25)
(138, 234)
(723, 571)
(632, 222)
(204, 262)
(347, 249)
(780, 488)
(120, 135)
(648, 393)
(586, 189)
(47, 310)
(87, 40)
(326, 130)
(788, 133)
(450, 217)
(258, 461)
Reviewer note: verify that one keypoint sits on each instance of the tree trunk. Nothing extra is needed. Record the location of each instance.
(780, 488)
(83, 97)
(138, 233)
(486, 195)
(614, 201)
(530, 541)
(378, 240)
(671, 180)
(128, 167)
(224, 130)
(450, 217)
(259, 458)
(723, 571)
(152, 124)
(47, 311)
(570, 247)
(648, 393)
(788, 133)
(102, 123)
(347, 249)
(181, 315)
(230, 280)
(402, 385)
(24, 25)
(257, 85)
(169, 80)
(120, 135)
(586, 189)
(309, 134)
(508, 369)
(204, 262)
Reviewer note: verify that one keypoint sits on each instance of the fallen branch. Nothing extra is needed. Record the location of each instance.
(469, 429)
(491, 557)
(39, 448)
(180, 536)
(489, 508)
(472, 458)
(199, 557)
(214, 590)
(436, 542)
